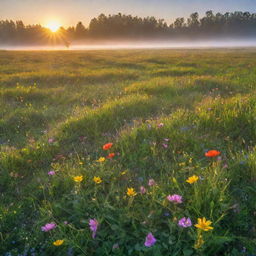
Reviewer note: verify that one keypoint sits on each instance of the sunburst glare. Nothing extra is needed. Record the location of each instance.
(54, 26)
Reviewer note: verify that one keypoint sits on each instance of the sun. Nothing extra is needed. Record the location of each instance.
(53, 26)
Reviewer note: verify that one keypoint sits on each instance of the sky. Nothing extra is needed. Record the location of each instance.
(69, 12)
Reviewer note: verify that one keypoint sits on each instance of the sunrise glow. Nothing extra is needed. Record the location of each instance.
(53, 26)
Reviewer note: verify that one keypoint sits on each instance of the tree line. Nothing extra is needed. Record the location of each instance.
(120, 26)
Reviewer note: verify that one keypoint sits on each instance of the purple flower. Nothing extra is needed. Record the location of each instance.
(160, 125)
(51, 173)
(185, 222)
(143, 190)
(177, 199)
(93, 223)
(49, 226)
(150, 240)
(151, 182)
(165, 145)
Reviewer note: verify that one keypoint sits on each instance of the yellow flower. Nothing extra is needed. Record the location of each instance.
(123, 173)
(81, 163)
(101, 159)
(78, 178)
(192, 179)
(204, 224)
(97, 180)
(131, 192)
(58, 242)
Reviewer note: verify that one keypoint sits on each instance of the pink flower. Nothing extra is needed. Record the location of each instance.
(185, 222)
(151, 182)
(143, 190)
(49, 226)
(51, 173)
(150, 240)
(166, 139)
(51, 140)
(165, 145)
(160, 125)
(177, 199)
(93, 223)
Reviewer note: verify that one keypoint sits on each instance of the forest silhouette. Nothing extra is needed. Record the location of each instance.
(127, 27)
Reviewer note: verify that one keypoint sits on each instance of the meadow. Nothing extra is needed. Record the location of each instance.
(126, 152)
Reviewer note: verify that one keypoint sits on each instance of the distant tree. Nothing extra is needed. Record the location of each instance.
(80, 31)
(120, 26)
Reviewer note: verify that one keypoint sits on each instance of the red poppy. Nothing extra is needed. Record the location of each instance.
(212, 153)
(111, 155)
(107, 146)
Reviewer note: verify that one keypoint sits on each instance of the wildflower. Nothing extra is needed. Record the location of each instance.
(185, 222)
(97, 180)
(143, 190)
(101, 159)
(165, 145)
(160, 125)
(111, 155)
(150, 240)
(51, 173)
(93, 223)
(166, 139)
(151, 182)
(123, 173)
(192, 179)
(58, 242)
(115, 246)
(78, 178)
(107, 146)
(131, 192)
(81, 163)
(204, 224)
(49, 226)
(177, 199)
(212, 153)
(51, 140)
(225, 166)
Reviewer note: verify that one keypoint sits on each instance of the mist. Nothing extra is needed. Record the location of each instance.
(149, 44)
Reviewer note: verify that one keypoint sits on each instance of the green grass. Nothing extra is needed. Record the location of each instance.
(205, 100)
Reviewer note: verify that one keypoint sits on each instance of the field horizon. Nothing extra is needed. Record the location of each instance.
(105, 152)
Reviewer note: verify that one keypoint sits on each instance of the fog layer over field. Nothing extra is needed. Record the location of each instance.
(111, 45)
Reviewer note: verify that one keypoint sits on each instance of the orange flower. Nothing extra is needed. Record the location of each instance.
(107, 146)
(111, 155)
(212, 153)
